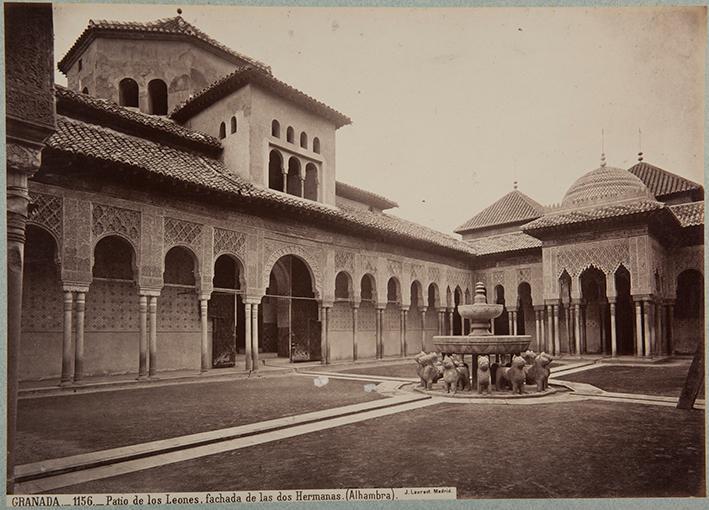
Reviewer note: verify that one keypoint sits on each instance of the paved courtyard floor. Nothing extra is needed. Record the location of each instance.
(629, 443)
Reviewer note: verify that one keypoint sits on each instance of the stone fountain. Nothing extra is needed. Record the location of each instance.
(480, 341)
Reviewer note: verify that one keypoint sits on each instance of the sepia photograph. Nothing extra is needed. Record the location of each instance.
(310, 255)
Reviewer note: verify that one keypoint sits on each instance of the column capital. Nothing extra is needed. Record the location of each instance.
(512, 309)
(75, 287)
(205, 296)
(326, 304)
(354, 305)
(252, 300)
(404, 308)
(538, 308)
(143, 291)
(423, 309)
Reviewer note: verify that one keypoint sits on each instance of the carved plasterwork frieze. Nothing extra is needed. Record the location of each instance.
(229, 241)
(524, 275)
(394, 267)
(47, 211)
(345, 260)
(417, 271)
(182, 232)
(604, 255)
(312, 256)
(107, 219)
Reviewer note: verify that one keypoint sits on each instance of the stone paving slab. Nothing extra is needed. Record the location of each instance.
(127, 452)
(86, 475)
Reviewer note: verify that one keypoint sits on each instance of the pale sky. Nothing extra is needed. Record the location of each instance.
(450, 106)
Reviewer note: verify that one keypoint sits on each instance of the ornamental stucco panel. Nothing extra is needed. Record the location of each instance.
(47, 211)
(77, 253)
(311, 255)
(110, 220)
(151, 247)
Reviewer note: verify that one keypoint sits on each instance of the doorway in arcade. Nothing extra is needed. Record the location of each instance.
(289, 317)
(226, 311)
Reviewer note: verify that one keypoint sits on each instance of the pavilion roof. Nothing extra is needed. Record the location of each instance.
(108, 113)
(244, 75)
(514, 207)
(361, 195)
(171, 28)
(690, 214)
(661, 182)
(503, 243)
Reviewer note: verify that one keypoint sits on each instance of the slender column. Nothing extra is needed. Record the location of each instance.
(449, 312)
(538, 335)
(248, 356)
(143, 341)
(542, 330)
(402, 331)
(380, 349)
(510, 322)
(66, 342)
(203, 306)
(355, 309)
(324, 337)
(440, 322)
(513, 316)
(284, 172)
(658, 347)
(569, 328)
(153, 348)
(254, 335)
(577, 328)
(614, 332)
(584, 345)
(557, 339)
(549, 343)
(79, 345)
(638, 328)
(423, 326)
(649, 328)
(302, 186)
(670, 330)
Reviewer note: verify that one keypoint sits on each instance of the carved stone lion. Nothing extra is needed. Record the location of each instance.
(483, 375)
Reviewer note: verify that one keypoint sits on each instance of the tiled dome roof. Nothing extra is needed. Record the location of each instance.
(603, 185)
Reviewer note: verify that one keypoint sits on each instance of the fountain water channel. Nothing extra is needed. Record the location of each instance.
(480, 341)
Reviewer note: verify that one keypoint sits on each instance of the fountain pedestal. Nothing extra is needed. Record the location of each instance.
(480, 341)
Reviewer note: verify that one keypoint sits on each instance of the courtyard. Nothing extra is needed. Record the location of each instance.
(612, 431)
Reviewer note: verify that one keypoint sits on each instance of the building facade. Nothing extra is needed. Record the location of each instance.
(187, 215)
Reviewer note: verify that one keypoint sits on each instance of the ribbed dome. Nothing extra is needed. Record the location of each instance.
(603, 185)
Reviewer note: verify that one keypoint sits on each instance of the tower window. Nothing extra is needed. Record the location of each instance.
(233, 124)
(128, 93)
(275, 128)
(85, 90)
(222, 131)
(157, 93)
(290, 134)
(316, 145)
(304, 140)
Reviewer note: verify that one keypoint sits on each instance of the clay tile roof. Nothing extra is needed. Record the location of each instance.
(99, 143)
(83, 106)
(502, 243)
(689, 215)
(515, 207)
(661, 182)
(166, 27)
(590, 214)
(247, 74)
(360, 195)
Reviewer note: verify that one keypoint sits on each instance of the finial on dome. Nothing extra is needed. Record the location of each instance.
(603, 148)
(640, 156)
(640, 145)
(514, 185)
(179, 11)
(603, 159)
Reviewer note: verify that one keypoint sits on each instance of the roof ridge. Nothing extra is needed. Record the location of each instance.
(662, 182)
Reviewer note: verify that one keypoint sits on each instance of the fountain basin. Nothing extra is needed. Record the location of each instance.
(481, 311)
(474, 344)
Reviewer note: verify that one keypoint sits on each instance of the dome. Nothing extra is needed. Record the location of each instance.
(603, 185)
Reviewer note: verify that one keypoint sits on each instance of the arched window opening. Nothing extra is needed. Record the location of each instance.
(457, 319)
(304, 140)
(311, 182)
(275, 128)
(179, 267)
(290, 134)
(525, 309)
(157, 97)
(128, 93)
(114, 259)
(275, 172)
(596, 337)
(415, 294)
(316, 145)
(233, 125)
(226, 273)
(222, 131)
(85, 90)
(393, 295)
(624, 314)
(502, 326)
(294, 181)
(367, 288)
(342, 286)
(432, 296)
